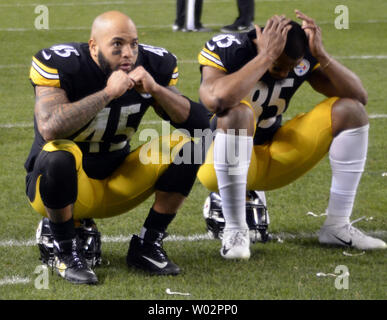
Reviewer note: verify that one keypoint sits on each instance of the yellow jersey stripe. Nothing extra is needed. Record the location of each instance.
(211, 56)
(175, 73)
(173, 82)
(44, 67)
(216, 56)
(39, 80)
(205, 61)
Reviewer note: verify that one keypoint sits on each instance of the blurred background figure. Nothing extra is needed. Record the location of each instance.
(188, 16)
(244, 22)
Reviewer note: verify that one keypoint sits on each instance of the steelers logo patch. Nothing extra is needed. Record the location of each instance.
(302, 68)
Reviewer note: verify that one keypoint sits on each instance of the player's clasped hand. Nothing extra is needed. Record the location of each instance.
(144, 82)
(118, 83)
(271, 41)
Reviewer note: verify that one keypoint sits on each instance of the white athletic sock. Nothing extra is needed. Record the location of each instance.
(347, 155)
(231, 169)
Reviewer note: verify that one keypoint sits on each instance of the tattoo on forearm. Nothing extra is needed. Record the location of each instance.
(57, 115)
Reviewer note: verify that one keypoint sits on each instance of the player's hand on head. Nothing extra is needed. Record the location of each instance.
(313, 33)
(144, 82)
(271, 41)
(118, 83)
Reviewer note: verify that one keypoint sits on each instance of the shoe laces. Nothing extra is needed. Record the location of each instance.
(160, 250)
(74, 259)
(157, 245)
(238, 238)
(78, 261)
(352, 230)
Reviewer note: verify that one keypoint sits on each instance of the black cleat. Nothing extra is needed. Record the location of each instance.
(149, 255)
(88, 240)
(237, 28)
(71, 265)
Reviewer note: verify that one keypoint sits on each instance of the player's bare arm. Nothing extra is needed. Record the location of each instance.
(168, 99)
(58, 118)
(331, 78)
(219, 91)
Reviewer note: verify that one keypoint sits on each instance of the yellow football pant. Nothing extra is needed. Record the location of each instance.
(295, 149)
(127, 187)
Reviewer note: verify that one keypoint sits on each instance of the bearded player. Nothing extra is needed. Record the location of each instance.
(90, 99)
(248, 81)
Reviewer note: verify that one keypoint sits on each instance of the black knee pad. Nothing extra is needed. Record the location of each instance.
(58, 183)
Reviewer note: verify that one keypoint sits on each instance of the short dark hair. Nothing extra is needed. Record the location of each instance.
(297, 42)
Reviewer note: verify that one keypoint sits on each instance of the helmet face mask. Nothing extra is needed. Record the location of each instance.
(212, 212)
(89, 242)
(45, 242)
(257, 217)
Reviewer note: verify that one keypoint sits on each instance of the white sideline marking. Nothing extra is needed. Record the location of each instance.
(13, 66)
(190, 238)
(352, 57)
(14, 280)
(362, 57)
(31, 125)
(165, 26)
(96, 3)
(146, 122)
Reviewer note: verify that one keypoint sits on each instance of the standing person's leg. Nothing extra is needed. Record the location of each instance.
(198, 17)
(246, 12)
(244, 21)
(193, 16)
(179, 24)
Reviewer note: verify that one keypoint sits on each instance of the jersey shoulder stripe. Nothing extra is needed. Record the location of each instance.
(44, 68)
(42, 75)
(209, 58)
(174, 77)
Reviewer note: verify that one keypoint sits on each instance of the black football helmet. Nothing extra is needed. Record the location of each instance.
(89, 240)
(257, 217)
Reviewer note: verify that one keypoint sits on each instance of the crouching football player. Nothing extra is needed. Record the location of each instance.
(90, 99)
(248, 81)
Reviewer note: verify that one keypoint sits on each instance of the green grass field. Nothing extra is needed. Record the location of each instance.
(276, 270)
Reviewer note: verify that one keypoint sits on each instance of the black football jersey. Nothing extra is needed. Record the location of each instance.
(70, 67)
(270, 97)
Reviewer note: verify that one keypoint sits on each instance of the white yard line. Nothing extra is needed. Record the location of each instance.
(189, 238)
(351, 57)
(13, 66)
(30, 125)
(278, 237)
(103, 3)
(146, 122)
(14, 280)
(165, 26)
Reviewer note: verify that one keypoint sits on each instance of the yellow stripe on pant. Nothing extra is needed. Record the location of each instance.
(127, 187)
(295, 149)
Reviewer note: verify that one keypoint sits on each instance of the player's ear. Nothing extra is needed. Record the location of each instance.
(93, 48)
